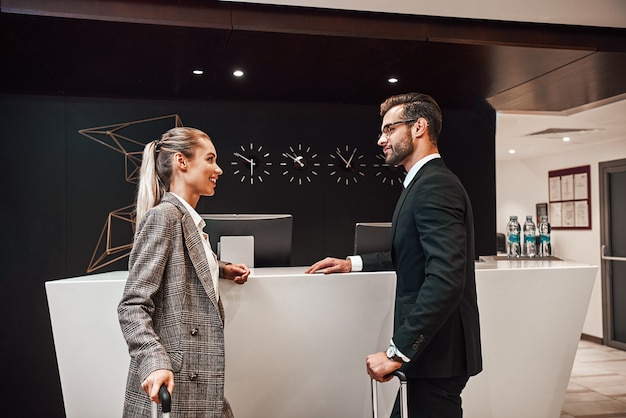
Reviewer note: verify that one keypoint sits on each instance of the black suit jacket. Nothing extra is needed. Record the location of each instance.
(436, 320)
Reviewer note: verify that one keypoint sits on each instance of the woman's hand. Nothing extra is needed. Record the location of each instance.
(238, 273)
(153, 383)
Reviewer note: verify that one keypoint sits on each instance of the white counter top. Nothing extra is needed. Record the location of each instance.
(504, 263)
(296, 343)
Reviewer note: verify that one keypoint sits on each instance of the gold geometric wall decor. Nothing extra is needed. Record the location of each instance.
(120, 224)
(118, 227)
(110, 136)
(132, 164)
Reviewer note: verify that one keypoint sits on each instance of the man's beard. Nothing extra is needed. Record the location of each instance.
(400, 151)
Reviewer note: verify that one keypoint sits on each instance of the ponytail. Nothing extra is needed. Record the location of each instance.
(149, 192)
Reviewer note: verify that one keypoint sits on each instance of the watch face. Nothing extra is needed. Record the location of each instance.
(251, 163)
(386, 174)
(300, 164)
(347, 165)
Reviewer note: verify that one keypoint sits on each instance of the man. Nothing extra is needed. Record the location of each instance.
(436, 338)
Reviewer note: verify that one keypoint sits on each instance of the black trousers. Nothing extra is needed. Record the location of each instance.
(433, 398)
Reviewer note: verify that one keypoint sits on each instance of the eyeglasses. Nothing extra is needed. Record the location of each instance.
(388, 128)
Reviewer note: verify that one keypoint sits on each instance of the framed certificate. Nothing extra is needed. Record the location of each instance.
(569, 195)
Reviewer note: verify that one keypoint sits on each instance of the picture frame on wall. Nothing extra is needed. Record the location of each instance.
(569, 194)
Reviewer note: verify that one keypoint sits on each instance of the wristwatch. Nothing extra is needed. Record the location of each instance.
(392, 354)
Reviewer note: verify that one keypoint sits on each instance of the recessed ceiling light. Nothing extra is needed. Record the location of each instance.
(238, 73)
(511, 151)
(198, 72)
(392, 80)
(566, 139)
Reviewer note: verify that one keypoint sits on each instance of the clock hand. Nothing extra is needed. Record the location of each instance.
(294, 158)
(341, 156)
(350, 160)
(249, 161)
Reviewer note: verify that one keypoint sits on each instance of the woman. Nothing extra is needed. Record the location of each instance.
(171, 315)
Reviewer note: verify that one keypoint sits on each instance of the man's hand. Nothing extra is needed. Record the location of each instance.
(331, 265)
(379, 367)
(238, 273)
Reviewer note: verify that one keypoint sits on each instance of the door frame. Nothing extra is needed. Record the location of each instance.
(604, 169)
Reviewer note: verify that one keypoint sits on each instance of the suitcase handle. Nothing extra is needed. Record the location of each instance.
(400, 375)
(166, 399)
(166, 403)
(404, 410)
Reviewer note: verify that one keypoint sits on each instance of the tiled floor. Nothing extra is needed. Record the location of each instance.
(597, 386)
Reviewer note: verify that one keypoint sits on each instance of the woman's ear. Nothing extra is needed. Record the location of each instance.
(181, 161)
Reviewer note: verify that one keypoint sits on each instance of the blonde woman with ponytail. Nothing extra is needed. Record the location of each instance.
(171, 314)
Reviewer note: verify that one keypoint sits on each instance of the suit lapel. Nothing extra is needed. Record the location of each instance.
(195, 249)
(396, 211)
(406, 192)
(400, 203)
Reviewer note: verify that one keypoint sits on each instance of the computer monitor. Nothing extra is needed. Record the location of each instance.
(372, 237)
(271, 232)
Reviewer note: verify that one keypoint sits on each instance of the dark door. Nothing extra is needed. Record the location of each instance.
(613, 239)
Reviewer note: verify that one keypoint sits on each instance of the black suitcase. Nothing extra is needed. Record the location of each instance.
(404, 401)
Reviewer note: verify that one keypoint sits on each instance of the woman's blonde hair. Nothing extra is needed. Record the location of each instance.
(156, 171)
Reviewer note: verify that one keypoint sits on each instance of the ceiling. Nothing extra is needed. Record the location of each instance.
(536, 76)
(610, 13)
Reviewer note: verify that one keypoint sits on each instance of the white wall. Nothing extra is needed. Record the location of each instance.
(520, 184)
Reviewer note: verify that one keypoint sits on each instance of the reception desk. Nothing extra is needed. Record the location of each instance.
(296, 343)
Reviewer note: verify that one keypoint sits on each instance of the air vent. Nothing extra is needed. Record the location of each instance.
(562, 131)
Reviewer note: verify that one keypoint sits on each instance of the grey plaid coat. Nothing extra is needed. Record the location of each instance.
(170, 317)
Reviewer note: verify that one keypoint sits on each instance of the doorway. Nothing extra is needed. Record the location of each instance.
(613, 251)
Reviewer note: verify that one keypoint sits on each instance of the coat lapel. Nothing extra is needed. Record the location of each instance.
(401, 201)
(195, 248)
(404, 195)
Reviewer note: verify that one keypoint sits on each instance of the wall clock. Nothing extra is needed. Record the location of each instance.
(301, 164)
(347, 165)
(251, 163)
(388, 174)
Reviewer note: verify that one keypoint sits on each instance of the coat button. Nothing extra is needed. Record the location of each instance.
(194, 332)
(193, 376)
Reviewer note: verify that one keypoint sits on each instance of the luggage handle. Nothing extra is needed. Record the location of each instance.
(166, 402)
(404, 408)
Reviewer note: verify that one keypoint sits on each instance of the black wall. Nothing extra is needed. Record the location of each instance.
(61, 186)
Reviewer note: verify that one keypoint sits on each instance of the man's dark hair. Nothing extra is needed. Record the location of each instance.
(417, 105)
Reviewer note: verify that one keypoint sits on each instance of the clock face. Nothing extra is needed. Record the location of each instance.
(386, 174)
(347, 165)
(251, 163)
(300, 165)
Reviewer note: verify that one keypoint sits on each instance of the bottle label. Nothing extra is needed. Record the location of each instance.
(544, 239)
(529, 238)
(514, 238)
